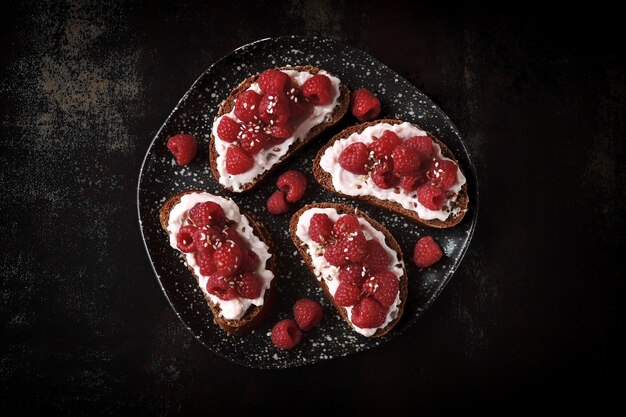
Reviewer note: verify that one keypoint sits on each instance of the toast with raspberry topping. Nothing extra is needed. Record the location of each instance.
(224, 260)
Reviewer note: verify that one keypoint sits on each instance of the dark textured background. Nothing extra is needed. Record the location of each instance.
(530, 316)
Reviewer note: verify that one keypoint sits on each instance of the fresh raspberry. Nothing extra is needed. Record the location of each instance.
(277, 204)
(318, 89)
(426, 252)
(442, 173)
(422, 144)
(247, 106)
(430, 197)
(377, 258)
(410, 183)
(406, 161)
(227, 258)
(354, 158)
(298, 105)
(383, 286)
(253, 139)
(184, 239)
(346, 224)
(286, 334)
(281, 132)
(307, 313)
(207, 239)
(368, 313)
(347, 295)
(274, 109)
(320, 228)
(273, 81)
(207, 214)
(230, 233)
(383, 175)
(353, 274)
(183, 147)
(383, 147)
(205, 262)
(221, 287)
(228, 130)
(238, 161)
(293, 183)
(353, 246)
(365, 106)
(248, 285)
(335, 255)
(249, 261)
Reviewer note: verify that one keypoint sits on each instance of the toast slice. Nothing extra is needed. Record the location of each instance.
(398, 267)
(340, 110)
(457, 210)
(254, 315)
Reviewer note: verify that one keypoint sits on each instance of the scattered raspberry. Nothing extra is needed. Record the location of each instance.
(410, 183)
(307, 313)
(207, 214)
(335, 255)
(274, 109)
(368, 313)
(277, 204)
(228, 130)
(207, 239)
(347, 294)
(184, 239)
(286, 334)
(426, 252)
(253, 139)
(205, 262)
(406, 161)
(183, 147)
(383, 147)
(318, 89)
(248, 285)
(227, 258)
(298, 105)
(346, 224)
(442, 173)
(377, 258)
(247, 106)
(249, 261)
(238, 161)
(320, 228)
(353, 274)
(422, 144)
(365, 106)
(383, 286)
(293, 183)
(383, 175)
(354, 158)
(221, 287)
(273, 81)
(430, 197)
(353, 246)
(282, 132)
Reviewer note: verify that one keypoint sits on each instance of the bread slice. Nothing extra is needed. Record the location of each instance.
(228, 104)
(325, 180)
(389, 240)
(255, 314)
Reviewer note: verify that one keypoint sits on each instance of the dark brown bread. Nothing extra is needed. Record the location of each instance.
(325, 180)
(255, 314)
(227, 105)
(389, 239)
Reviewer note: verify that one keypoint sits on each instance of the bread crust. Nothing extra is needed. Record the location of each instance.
(255, 314)
(325, 180)
(228, 104)
(389, 239)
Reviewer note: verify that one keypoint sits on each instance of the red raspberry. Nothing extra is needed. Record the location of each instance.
(383, 175)
(298, 105)
(277, 204)
(227, 258)
(383, 286)
(354, 158)
(307, 313)
(426, 252)
(248, 285)
(346, 224)
(353, 274)
(229, 130)
(318, 89)
(422, 144)
(205, 262)
(430, 197)
(293, 183)
(282, 132)
(230, 233)
(238, 161)
(377, 258)
(286, 334)
(274, 109)
(221, 287)
(353, 246)
(207, 239)
(406, 161)
(207, 214)
(249, 261)
(183, 147)
(347, 294)
(247, 106)
(273, 81)
(253, 139)
(368, 313)
(184, 239)
(365, 106)
(410, 183)
(383, 147)
(320, 228)
(442, 174)
(335, 255)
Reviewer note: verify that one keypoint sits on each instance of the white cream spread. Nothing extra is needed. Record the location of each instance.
(353, 184)
(267, 158)
(329, 273)
(230, 309)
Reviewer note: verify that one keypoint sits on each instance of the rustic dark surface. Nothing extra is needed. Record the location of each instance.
(530, 315)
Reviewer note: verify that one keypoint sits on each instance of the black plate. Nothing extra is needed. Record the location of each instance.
(160, 178)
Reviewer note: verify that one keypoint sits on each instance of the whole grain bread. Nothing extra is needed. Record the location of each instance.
(227, 105)
(325, 180)
(255, 314)
(389, 239)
